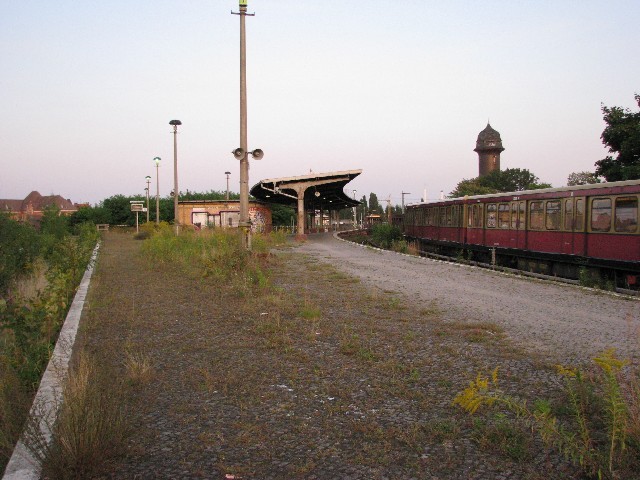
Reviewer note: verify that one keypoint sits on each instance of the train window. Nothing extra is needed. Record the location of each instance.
(601, 214)
(470, 216)
(491, 215)
(626, 214)
(448, 217)
(454, 216)
(568, 214)
(522, 216)
(478, 220)
(443, 218)
(579, 224)
(514, 215)
(503, 215)
(536, 215)
(552, 219)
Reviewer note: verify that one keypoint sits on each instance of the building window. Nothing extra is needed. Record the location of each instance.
(626, 214)
(553, 215)
(601, 215)
(536, 215)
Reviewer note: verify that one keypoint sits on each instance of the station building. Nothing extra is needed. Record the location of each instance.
(223, 213)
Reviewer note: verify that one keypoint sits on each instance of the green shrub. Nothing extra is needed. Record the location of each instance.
(19, 248)
(384, 234)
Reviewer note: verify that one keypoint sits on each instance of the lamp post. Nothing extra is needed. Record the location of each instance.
(354, 210)
(148, 179)
(227, 174)
(242, 153)
(157, 161)
(176, 221)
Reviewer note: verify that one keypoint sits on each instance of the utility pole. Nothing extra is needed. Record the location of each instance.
(388, 200)
(403, 194)
(242, 153)
(175, 124)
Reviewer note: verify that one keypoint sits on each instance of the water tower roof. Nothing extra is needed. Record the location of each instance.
(489, 139)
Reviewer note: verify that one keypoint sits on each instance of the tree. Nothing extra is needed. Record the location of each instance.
(95, 215)
(622, 136)
(508, 180)
(582, 178)
(471, 186)
(282, 215)
(53, 223)
(374, 206)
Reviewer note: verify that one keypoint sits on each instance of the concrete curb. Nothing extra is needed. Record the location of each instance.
(22, 465)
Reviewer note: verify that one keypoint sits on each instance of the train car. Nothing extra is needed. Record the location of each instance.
(566, 231)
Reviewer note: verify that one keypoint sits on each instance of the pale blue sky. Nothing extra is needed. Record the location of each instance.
(398, 89)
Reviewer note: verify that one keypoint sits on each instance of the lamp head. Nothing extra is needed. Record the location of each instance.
(157, 160)
(175, 122)
(227, 173)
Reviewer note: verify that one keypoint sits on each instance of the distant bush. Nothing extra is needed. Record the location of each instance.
(19, 247)
(383, 235)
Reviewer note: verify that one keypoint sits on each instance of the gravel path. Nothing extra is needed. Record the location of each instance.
(564, 322)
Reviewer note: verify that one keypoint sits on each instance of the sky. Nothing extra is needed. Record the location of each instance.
(397, 89)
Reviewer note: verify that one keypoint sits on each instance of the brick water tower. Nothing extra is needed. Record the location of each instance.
(488, 146)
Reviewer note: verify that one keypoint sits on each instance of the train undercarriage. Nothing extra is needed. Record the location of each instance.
(590, 272)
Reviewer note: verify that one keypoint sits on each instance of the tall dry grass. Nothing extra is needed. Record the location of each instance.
(91, 427)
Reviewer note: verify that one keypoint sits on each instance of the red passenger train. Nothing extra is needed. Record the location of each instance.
(568, 231)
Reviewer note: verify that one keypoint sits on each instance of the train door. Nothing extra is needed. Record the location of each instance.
(573, 236)
(580, 227)
(568, 226)
(518, 224)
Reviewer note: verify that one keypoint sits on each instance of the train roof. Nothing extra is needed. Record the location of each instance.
(589, 186)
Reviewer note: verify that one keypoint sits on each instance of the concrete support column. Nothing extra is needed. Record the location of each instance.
(301, 219)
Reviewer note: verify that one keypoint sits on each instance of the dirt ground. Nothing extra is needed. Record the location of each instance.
(341, 371)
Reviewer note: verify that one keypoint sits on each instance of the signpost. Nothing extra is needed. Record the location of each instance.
(137, 206)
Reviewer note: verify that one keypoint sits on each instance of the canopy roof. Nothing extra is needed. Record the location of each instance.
(320, 190)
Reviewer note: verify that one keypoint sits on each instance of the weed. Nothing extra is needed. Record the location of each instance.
(505, 436)
(14, 407)
(138, 367)
(310, 312)
(602, 437)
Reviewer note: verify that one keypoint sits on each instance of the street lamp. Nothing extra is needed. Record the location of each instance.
(175, 124)
(157, 160)
(227, 174)
(354, 210)
(148, 179)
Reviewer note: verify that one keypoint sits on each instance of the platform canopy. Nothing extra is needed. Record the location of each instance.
(325, 189)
